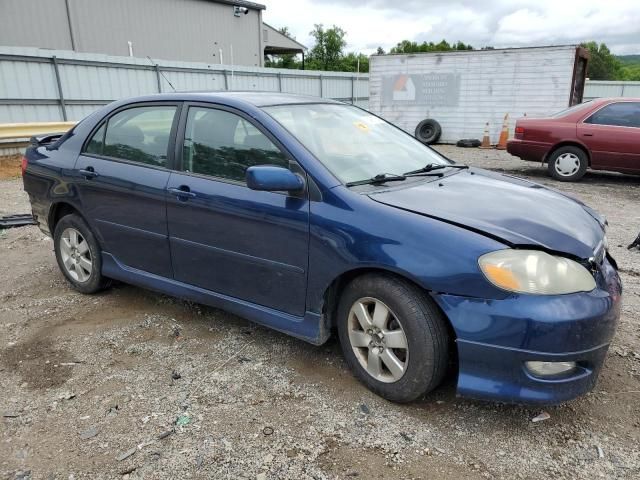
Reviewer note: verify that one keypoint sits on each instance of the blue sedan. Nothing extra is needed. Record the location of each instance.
(312, 216)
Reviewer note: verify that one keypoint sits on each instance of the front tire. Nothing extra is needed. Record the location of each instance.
(79, 255)
(568, 164)
(393, 337)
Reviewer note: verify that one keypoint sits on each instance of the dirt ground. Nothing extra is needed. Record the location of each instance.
(10, 166)
(132, 384)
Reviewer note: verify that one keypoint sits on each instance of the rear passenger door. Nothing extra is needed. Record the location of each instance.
(612, 133)
(247, 244)
(122, 175)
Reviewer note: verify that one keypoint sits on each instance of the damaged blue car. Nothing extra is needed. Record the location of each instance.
(312, 216)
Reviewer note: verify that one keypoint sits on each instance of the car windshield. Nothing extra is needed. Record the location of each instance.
(353, 144)
(575, 108)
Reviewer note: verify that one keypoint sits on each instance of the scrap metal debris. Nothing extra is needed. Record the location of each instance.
(127, 454)
(164, 435)
(541, 418)
(12, 221)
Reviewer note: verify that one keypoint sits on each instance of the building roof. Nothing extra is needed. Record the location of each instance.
(277, 43)
(242, 3)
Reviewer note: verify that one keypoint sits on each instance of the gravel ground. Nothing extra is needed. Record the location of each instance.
(132, 384)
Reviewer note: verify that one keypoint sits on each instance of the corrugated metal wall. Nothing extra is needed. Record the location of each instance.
(464, 90)
(29, 88)
(35, 23)
(191, 30)
(605, 88)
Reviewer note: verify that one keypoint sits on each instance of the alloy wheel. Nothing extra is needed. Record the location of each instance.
(76, 255)
(378, 340)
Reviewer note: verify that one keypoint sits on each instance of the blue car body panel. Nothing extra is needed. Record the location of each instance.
(274, 258)
(520, 212)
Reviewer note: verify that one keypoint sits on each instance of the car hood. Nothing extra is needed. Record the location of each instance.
(516, 211)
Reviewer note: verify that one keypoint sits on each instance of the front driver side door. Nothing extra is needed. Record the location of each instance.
(224, 237)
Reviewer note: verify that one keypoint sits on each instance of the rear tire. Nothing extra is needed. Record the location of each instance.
(428, 131)
(402, 354)
(79, 255)
(568, 164)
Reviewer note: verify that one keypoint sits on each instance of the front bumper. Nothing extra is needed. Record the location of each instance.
(496, 337)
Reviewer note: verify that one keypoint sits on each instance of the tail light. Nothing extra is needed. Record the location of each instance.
(24, 164)
(519, 132)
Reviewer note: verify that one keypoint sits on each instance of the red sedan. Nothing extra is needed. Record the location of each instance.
(602, 134)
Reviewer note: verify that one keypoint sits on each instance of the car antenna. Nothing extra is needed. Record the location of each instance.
(160, 72)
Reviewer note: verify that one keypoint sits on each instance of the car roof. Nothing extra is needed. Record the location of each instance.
(255, 98)
(615, 99)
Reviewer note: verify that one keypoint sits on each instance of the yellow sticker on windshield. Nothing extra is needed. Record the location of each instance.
(362, 126)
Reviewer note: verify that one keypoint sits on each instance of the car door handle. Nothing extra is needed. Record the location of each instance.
(182, 192)
(88, 173)
(587, 134)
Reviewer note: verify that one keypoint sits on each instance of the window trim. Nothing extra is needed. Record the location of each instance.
(180, 136)
(605, 105)
(170, 164)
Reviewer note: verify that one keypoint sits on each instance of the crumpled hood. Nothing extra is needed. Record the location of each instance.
(514, 210)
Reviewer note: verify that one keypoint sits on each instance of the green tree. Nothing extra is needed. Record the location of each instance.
(380, 51)
(603, 65)
(349, 62)
(328, 50)
(630, 73)
(407, 46)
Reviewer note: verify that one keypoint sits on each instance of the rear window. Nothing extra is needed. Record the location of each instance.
(575, 108)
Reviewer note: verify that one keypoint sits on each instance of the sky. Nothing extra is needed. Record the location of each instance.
(497, 23)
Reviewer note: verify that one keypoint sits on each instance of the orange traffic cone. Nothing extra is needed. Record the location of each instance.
(486, 141)
(504, 134)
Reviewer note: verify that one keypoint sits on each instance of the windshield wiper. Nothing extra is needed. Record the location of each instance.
(380, 178)
(430, 167)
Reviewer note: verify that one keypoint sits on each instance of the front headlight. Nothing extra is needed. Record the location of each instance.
(535, 272)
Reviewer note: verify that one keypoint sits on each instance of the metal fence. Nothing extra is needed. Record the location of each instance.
(48, 85)
(39, 85)
(605, 88)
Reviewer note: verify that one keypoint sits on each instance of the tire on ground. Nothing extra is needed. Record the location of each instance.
(425, 328)
(468, 143)
(96, 281)
(579, 166)
(428, 131)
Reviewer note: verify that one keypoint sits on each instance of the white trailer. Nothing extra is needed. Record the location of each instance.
(463, 90)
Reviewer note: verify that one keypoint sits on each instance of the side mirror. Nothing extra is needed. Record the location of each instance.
(273, 179)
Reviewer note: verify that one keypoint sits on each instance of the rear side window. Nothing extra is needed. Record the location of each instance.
(223, 144)
(139, 134)
(623, 114)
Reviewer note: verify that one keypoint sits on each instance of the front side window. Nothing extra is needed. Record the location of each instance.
(623, 114)
(353, 144)
(139, 134)
(223, 144)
